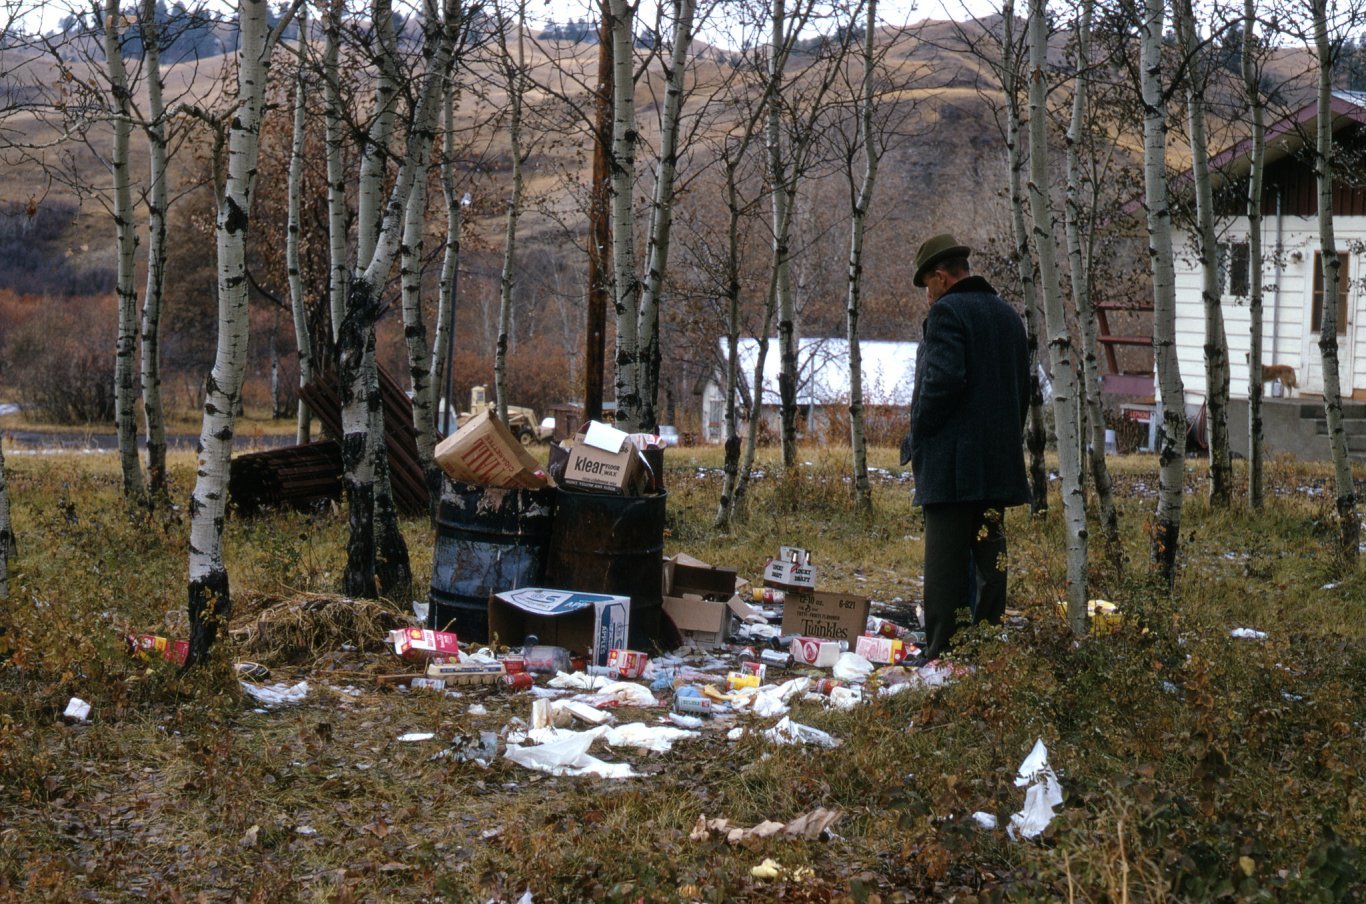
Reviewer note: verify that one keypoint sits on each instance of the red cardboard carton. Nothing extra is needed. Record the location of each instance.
(424, 643)
(147, 646)
(628, 663)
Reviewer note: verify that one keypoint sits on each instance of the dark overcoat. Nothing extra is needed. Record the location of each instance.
(970, 400)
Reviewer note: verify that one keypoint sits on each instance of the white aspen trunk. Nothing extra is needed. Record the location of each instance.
(1349, 525)
(863, 491)
(209, 599)
(414, 325)
(1253, 92)
(302, 341)
(334, 116)
(157, 202)
(515, 72)
(1079, 257)
(125, 237)
(731, 480)
(7, 545)
(1066, 412)
(424, 409)
(626, 288)
(661, 216)
(1036, 435)
(1166, 532)
(780, 206)
(377, 558)
(375, 155)
(1216, 340)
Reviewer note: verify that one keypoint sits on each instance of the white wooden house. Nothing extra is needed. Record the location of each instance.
(1292, 294)
(888, 370)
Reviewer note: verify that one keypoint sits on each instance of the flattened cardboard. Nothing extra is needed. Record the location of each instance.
(591, 623)
(833, 616)
(485, 453)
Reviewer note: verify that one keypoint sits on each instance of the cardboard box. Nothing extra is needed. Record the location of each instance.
(833, 616)
(814, 651)
(147, 646)
(592, 623)
(702, 601)
(628, 663)
(465, 673)
(881, 650)
(603, 459)
(424, 643)
(792, 570)
(485, 453)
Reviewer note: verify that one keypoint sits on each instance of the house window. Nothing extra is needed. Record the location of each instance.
(1234, 268)
(1317, 317)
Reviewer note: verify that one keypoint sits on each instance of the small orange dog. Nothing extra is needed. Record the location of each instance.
(1282, 372)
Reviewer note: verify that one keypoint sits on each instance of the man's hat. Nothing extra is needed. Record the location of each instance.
(936, 250)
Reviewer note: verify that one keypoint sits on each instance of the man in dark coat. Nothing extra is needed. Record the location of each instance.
(967, 436)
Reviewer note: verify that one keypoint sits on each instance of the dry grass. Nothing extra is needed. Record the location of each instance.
(1196, 767)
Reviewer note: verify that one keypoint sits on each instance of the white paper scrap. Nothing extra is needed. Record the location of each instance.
(276, 694)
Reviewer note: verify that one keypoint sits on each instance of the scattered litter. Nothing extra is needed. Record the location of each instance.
(1331, 585)
(813, 825)
(625, 693)
(655, 738)
(767, 870)
(477, 709)
(568, 755)
(479, 748)
(416, 736)
(305, 830)
(252, 671)
(77, 710)
(735, 733)
(984, 820)
(770, 869)
(846, 698)
(789, 732)
(852, 667)
(1044, 793)
(579, 681)
(682, 721)
(1248, 634)
(276, 694)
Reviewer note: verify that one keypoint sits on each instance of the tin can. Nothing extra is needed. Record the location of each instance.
(693, 706)
(769, 595)
(747, 654)
(753, 668)
(521, 681)
(776, 658)
(514, 665)
(826, 685)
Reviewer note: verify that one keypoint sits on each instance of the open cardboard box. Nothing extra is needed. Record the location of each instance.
(702, 600)
(604, 459)
(591, 623)
(485, 453)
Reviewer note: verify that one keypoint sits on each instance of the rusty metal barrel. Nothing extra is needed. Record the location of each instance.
(601, 543)
(487, 540)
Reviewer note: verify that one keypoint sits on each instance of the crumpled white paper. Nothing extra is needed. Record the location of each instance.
(77, 709)
(578, 681)
(852, 667)
(276, 694)
(625, 693)
(568, 755)
(655, 738)
(789, 732)
(1247, 634)
(1044, 793)
(845, 698)
(773, 699)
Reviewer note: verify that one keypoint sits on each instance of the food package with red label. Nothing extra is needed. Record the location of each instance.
(628, 663)
(880, 650)
(815, 651)
(424, 643)
(147, 646)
